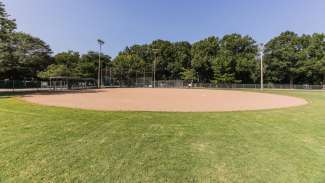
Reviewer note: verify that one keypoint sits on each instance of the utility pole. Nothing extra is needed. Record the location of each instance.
(261, 47)
(101, 43)
(110, 76)
(154, 72)
(106, 74)
(136, 78)
(154, 67)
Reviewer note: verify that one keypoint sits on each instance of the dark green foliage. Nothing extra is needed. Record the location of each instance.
(22, 56)
(189, 75)
(88, 65)
(315, 64)
(182, 59)
(126, 66)
(71, 64)
(296, 59)
(65, 64)
(55, 70)
(165, 57)
(236, 60)
(7, 25)
(26, 56)
(203, 54)
(283, 57)
(289, 58)
(171, 60)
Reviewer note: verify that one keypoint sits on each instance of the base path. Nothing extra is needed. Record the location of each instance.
(173, 100)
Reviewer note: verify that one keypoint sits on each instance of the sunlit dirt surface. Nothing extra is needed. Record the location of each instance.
(167, 100)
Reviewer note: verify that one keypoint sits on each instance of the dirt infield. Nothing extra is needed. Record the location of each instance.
(173, 100)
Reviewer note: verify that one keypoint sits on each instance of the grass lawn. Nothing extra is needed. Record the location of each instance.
(48, 144)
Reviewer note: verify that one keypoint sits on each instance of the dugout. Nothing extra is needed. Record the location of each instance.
(71, 83)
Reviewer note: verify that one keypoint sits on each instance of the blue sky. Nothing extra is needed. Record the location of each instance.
(76, 24)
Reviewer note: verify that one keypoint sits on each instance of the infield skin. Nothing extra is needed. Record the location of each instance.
(167, 100)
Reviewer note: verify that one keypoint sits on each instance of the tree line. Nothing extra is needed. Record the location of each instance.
(289, 58)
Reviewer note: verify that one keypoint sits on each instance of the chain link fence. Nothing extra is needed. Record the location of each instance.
(55, 84)
(145, 79)
(139, 82)
(149, 83)
(258, 86)
(17, 85)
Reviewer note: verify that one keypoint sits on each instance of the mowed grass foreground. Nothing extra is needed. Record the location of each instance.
(48, 144)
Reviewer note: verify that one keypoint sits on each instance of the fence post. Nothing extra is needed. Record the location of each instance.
(13, 85)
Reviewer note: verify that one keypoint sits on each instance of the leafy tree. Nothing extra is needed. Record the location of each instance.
(55, 70)
(65, 64)
(224, 71)
(28, 56)
(70, 64)
(164, 55)
(21, 55)
(203, 53)
(305, 71)
(144, 53)
(7, 27)
(181, 61)
(189, 75)
(126, 66)
(70, 59)
(315, 62)
(236, 60)
(171, 58)
(319, 66)
(88, 64)
(283, 58)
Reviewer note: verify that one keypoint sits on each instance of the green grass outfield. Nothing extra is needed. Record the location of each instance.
(48, 144)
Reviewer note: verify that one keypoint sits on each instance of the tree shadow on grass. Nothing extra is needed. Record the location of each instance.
(5, 95)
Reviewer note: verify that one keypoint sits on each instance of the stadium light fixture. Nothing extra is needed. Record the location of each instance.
(100, 43)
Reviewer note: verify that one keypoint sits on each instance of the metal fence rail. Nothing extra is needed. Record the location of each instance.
(35, 85)
(14, 84)
(186, 84)
(272, 86)
(10, 85)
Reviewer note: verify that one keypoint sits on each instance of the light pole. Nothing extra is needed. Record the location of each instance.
(261, 50)
(154, 72)
(154, 67)
(101, 43)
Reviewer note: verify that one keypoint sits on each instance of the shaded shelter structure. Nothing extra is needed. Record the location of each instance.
(70, 83)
